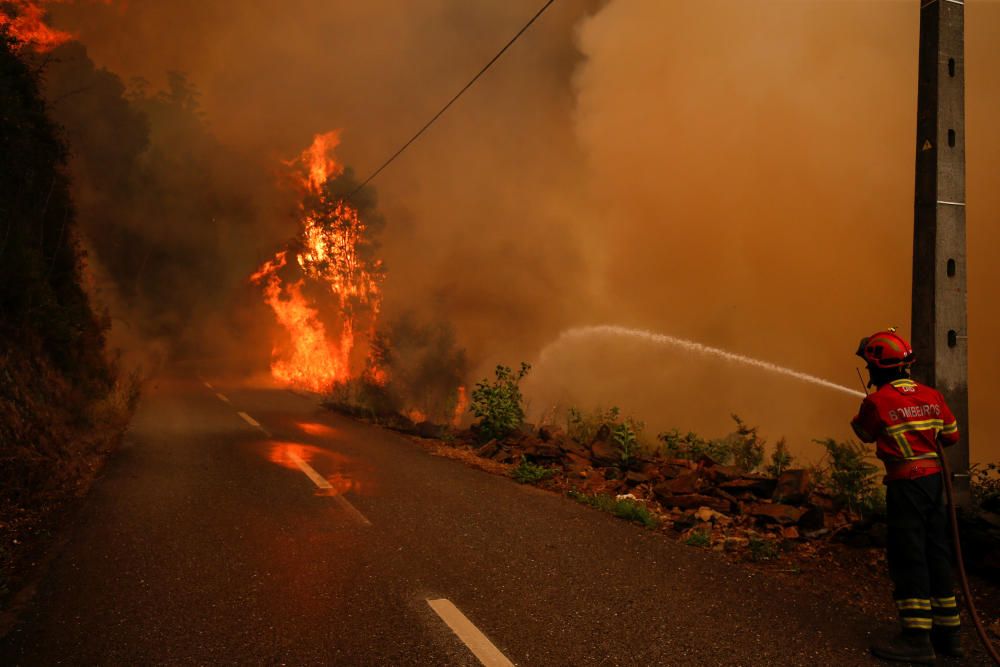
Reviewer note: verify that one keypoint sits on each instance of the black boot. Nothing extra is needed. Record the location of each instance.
(906, 647)
(947, 641)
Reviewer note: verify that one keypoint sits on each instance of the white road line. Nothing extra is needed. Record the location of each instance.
(470, 635)
(321, 482)
(253, 422)
(208, 385)
(346, 505)
(222, 397)
(310, 472)
(248, 419)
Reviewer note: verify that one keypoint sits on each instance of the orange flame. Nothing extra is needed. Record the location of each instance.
(24, 20)
(461, 404)
(310, 363)
(416, 416)
(319, 162)
(330, 255)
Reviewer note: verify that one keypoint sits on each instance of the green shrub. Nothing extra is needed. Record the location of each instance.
(746, 445)
(623, 508)
(626, 437)
(691, 447)
(583, 427)
(762, 550)
(743, 447)
(529, 473)
(699, 538)
(781, 459)
(625, 433)
(854, 480)
(498, 404)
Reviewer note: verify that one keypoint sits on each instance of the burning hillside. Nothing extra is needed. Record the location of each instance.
(26, 22)
(334, 282)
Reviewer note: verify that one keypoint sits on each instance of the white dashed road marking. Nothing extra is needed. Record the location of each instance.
(470, 635)
(253, 422)
(310, 472)
(321, 482)
(209, 386)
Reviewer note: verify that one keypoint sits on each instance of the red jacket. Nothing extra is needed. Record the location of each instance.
(905, 418)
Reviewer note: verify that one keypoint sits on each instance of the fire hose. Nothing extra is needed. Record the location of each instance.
(963, 579)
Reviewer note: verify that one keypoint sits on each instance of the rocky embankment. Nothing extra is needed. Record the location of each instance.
(703, 502)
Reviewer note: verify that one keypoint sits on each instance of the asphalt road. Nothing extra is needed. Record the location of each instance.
(208, 542)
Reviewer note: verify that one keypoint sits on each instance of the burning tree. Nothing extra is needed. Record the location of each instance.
(336, 252)
(25, 22)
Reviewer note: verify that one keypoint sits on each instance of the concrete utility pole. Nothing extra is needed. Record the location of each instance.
(938, 323)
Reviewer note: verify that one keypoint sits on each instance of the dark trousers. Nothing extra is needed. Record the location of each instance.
(920, 553)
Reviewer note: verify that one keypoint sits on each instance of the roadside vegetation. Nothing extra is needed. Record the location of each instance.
(63, 402)
(623, 508)
(498, 404)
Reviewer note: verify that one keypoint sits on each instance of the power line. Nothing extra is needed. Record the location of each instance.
(453, 99)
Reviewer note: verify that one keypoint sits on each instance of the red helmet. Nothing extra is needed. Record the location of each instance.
(886, 349)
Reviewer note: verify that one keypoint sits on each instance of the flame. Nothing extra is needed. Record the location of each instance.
(461, 404)
(331, 254)
(310, 363)
(24, 20)
(416, 416)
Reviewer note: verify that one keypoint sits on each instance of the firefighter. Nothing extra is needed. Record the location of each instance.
(906, 420)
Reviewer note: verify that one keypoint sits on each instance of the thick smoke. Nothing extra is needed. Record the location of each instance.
(739, 173)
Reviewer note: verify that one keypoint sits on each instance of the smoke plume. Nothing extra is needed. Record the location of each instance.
(736, 173)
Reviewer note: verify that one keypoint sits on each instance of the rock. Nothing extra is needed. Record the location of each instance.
(669, 470)
(793, 486)
(706, 461)
(430, 430)
(762, 487)
(776, 513)
(686, 483)
(604, 453)
(812, 519)
(571, 447)
(691, 501)
(489, 450)
(603, 435)
(503, 456)
(709, 515)
(550, 432)
(824, 501)
(790, 532)
(633, 477)
(736, 543)
(685, 522)
(680, 463)
(719, 493)
(573, 463)
(542, 450)
(611, 473)
(720, 473)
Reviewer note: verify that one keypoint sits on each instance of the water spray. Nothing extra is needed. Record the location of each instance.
(691, 346)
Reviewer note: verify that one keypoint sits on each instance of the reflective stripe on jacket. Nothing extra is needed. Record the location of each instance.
(905, 418)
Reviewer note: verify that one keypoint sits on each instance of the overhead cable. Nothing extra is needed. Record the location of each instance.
(454, 99)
